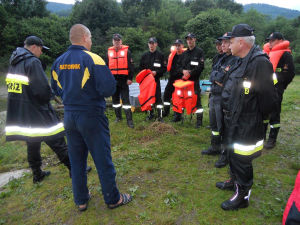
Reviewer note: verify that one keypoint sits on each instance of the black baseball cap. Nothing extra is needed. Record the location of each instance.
(117, 37)
(34, 40)
(178, 42)
(241, 30)
(275, 36)
(225, 36)
(190, 35)
(152, 40)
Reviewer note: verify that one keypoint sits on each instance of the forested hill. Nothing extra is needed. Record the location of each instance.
(60, 9)
(272, 11)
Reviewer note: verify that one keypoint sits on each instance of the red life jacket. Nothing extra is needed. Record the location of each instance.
(117, 61)
(171, 57)
(276, 52)
(147, 89)
(184, 96)
(291, 213)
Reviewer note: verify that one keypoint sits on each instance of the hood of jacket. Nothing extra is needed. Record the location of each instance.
(19, 55)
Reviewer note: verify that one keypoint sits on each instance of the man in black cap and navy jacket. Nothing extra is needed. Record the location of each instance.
(247, 97)
(154, 60)
(192, 65)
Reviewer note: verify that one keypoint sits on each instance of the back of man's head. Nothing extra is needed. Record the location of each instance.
(77, 33)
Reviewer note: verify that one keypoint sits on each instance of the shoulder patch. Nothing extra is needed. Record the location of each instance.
(96, 58)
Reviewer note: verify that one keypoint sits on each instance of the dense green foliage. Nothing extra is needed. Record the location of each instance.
(136, 20)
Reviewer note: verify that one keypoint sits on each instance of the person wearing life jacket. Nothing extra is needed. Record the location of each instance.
(173, 67)
(218, 78)
(120, 62)
(192, 64)
(30, 116)
(284, 71)
(154, 60)
(247, 96)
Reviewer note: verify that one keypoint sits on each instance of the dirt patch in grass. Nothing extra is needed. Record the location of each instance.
(162, 128)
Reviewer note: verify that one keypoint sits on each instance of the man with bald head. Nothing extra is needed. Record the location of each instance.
(82, 80)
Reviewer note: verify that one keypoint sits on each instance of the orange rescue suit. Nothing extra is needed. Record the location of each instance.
(276, 52)
(184, 96)
(117, 60)
(147, 86)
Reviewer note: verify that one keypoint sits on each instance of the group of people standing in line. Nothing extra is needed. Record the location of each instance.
(244, 93)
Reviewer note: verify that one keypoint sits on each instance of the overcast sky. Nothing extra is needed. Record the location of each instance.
(291, 4)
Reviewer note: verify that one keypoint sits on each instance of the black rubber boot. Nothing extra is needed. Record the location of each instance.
(199, 120)
(272, 138)
(226, 185)
(215, 148)
(128, 114)
(39, 175)
(177, 117)
(118, 112)
(160, 115)
(223, 160)
(239, 200)
(151, 115)
(265, 130)
(166, 110)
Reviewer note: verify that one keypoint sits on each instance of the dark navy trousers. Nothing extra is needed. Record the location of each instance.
(88, 131)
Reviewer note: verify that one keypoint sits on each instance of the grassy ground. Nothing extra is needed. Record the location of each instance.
(162, 166)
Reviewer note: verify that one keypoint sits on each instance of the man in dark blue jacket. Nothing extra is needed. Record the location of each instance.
(82, 79)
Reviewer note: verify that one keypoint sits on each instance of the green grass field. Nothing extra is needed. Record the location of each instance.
(162, 167)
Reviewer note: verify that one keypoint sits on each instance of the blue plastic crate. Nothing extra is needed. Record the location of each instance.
(205, 85)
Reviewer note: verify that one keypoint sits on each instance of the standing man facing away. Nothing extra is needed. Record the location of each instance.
(192, 65)
(82, 79)
(283, 66)
(119, 62)
(174, 68)
(154, 60)
(248, 96)
(30, 116)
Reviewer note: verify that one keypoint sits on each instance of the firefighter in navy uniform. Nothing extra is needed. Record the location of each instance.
(30, 116)
(220, 53)
(192, 64)
(154, 60)
(283, 66)
(218, 79)
(83, 80)
(119, 62)
(247, 97)
(173, 67)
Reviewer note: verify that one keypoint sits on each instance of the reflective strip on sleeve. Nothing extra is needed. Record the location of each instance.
(159, 106)
(199, 111)
(116, 105)
(277, 125)
(34, 132)
(126, 106)
(275, 80)
(17, 78)
(248, 149)
(167, 103)
(215, 133)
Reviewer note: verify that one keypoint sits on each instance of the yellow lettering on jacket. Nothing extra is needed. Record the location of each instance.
(69, 67)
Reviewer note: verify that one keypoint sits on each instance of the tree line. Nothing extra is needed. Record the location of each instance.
(136, 21)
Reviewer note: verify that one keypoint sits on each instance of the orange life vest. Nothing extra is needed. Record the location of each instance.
(184, 96)
(171, 57)
(276, 52)
(147, 87)
(117, 60)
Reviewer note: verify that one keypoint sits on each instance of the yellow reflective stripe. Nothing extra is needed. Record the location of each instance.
(34, 132)
(55, 77)
(215, 133)
(248, 149)
(275, 78)
(96, 58)
(278, 70)
(15, 78)
(86, 76)
(275, 125)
